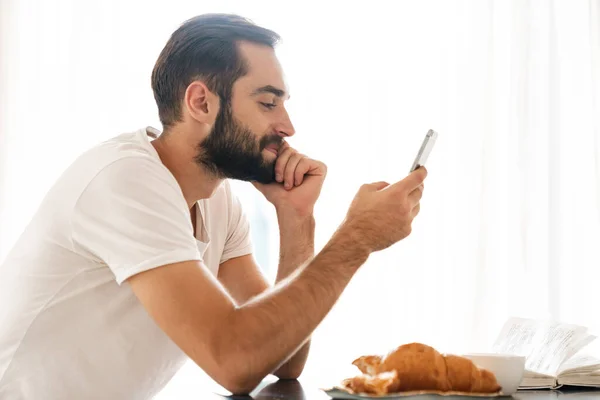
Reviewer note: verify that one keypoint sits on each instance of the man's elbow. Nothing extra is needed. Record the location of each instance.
(233, 370)
(239, 390)
(288, 375)
(289, 372)
(236, 375)
(241, 385)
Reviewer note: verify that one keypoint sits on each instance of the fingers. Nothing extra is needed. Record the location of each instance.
(415, 210)
(415, 196)
(282, 159)
(308, 166)
(290, 169)
(303, 167)
(414, 199)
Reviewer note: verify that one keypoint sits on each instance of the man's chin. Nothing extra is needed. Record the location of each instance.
(264, 176)
(266, 173)
(262, 171)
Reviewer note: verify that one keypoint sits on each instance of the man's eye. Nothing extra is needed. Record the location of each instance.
(268, 106)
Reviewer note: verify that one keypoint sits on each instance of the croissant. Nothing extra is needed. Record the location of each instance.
(368, 364)
(420, 367)
(380, 384)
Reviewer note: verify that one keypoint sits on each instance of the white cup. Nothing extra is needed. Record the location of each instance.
(507, 368)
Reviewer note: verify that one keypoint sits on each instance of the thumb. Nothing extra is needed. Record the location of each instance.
(413, 180)
(376, 186)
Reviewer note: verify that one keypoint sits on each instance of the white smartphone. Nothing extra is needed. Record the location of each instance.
(425, 149)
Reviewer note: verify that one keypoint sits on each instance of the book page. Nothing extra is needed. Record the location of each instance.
(579, 364)
(546, 344)
(584, 341)
(557, 342)
(517, 337)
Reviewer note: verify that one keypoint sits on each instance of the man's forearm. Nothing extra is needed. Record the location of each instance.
(297, 245)
(268, 329)
(296, 242)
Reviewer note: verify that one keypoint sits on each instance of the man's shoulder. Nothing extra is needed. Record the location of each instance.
(135, 143)
(124, 158)
(125, 150)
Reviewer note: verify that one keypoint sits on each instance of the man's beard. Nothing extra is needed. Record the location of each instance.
(232, 151)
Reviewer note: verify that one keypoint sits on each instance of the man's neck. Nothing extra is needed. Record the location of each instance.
(179, 157)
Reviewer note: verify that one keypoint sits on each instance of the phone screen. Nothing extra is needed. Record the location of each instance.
(425, 149)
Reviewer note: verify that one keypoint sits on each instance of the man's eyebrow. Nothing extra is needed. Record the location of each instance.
(270, 89)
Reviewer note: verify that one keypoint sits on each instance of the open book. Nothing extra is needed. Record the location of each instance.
(552, 353)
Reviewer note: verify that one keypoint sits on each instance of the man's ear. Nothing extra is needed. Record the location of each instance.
(201, 104)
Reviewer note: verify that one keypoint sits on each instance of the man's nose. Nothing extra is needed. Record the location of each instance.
(285, 128)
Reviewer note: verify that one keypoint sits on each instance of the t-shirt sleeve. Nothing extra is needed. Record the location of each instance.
(133, 217)
(239, 242)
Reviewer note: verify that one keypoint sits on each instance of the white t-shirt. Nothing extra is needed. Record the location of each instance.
(69, 327)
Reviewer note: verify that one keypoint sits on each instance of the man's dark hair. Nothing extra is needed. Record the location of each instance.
(204, 47)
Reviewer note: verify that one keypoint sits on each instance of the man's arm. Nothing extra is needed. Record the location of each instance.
(239, 345)
(243, 280)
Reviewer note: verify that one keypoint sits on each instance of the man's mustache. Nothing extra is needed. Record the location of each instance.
(269, 140)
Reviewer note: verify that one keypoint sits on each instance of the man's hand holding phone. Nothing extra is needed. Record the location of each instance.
(382, 214)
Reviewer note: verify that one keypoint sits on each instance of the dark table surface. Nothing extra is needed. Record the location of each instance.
(302, 390)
